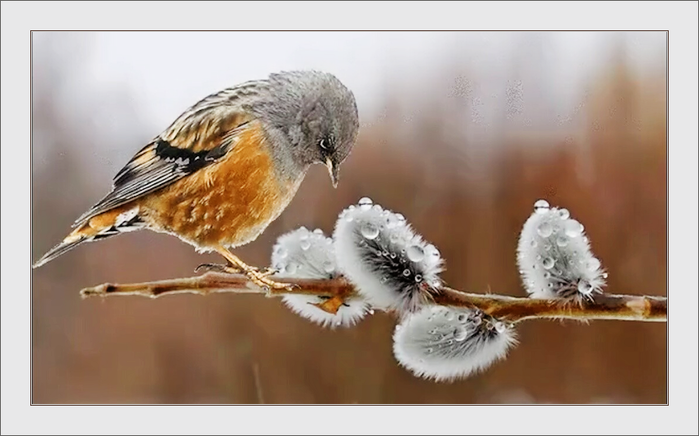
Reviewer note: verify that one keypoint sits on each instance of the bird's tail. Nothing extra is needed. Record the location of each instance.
(105, 225)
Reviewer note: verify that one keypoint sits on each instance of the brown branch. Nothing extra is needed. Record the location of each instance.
(513, 309)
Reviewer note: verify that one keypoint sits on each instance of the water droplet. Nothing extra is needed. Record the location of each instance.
(318, 231)
(548, 263)
(393, 255)
(349, 218)
(370, 231)
(449, 315)
(384, 253)
(544, 229)
(418, 278)
(533, 243)
(432, 250)
(462, 317)
(377, 208)
(550, 285)
(351, 207)
(547, 275)
(433, 332)
(584, 287)
(416, 253)
(460, 334)
(500, 327)
(562, 241)
(547, 247)
(365, 203)
(406, 272)
(391, 221)
(428, 351)
(370, 311)
(400, 218)
(605, 275)
(541, 206)
(449, 342)
(593, 264)
(305, 244)
(328, 267)
(564, 214)
(282, 253)
(573, 228)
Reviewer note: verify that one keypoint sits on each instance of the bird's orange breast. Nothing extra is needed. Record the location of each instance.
(228, 203)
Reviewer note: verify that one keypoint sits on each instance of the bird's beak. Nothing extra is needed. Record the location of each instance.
(333, 170)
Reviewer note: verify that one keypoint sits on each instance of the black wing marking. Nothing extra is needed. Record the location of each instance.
(154, 167)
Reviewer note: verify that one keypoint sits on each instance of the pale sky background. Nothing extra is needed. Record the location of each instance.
(171, 70)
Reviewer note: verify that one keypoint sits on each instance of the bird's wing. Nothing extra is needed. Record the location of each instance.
(198, 138)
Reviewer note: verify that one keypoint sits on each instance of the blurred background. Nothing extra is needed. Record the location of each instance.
(461, 132)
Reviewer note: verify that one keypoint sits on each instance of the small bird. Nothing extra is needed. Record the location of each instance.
(228, 166)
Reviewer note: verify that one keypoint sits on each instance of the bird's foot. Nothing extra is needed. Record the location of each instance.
(268, 271)
(262, 280)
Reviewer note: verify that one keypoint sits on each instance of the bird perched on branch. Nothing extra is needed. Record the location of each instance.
(228, 166)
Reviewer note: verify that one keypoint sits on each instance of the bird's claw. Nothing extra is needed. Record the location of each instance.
(259, 278)
(270, 286)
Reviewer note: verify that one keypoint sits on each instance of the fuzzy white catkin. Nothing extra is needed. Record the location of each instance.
(444, 344)
(390, 265)
(310, 255)
(554, 256)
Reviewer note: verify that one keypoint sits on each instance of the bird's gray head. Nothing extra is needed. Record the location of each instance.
(311, 117)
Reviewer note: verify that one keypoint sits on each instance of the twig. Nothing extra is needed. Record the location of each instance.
(512, 309)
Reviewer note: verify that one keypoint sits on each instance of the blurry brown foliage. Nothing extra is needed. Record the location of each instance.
(469, 198)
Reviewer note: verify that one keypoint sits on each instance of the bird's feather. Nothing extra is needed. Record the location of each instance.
(199, 138)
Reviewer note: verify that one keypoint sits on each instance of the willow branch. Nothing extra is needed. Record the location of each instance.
(513, 309)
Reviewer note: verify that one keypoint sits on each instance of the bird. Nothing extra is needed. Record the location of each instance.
(227, 167)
